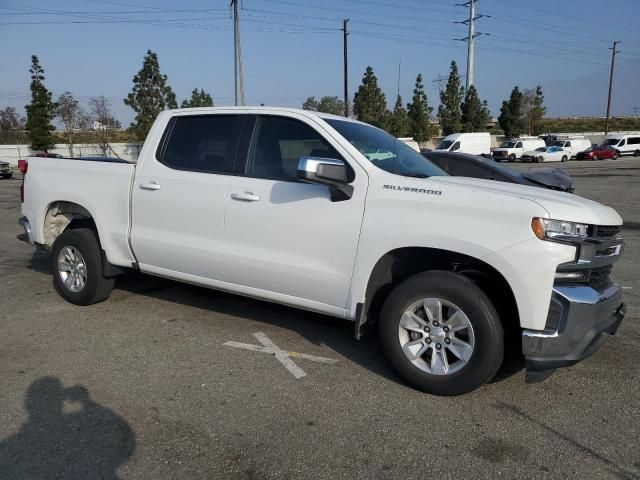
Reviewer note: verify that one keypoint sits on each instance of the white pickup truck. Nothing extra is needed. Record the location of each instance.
(292, 207)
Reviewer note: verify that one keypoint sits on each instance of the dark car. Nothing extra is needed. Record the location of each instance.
(6, 170)
(598, 152)
(464, 165)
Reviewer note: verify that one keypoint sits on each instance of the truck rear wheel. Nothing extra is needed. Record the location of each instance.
(441, 333)
(512, 158)
(77, 268)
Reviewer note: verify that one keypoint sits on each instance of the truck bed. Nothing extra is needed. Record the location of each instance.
(101, 185)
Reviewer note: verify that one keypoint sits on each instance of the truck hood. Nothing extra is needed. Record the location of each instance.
(559, 205)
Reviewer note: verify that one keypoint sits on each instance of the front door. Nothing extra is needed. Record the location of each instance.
(179, 197)
(286, 237)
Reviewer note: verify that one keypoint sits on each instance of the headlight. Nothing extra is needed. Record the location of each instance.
(548, 229)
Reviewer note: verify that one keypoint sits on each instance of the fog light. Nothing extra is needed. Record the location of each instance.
(571, 276)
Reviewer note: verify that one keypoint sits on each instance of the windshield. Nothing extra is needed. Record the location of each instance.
(508, 145)
(445, 145)
(612, 141)
(385, 151)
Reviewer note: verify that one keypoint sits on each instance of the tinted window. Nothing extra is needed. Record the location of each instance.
(203, 143)
(622, 142)
(633, 141)
(278, 145)
(519, 145)
(464, 168)
(444, 145)
(385, 151)
(456, 146)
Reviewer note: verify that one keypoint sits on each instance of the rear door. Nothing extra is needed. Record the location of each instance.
(284, 237)
(179, 197)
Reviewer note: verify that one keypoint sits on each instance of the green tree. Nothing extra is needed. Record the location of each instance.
(533, 110)
(399, 121)
(150, 95)
(419, 113)
(326, 104)
(369, 103)
(11, 126)
(69, 113)
(40, 111)
(198, 99)
(511, 120)
(475, 114)
(449, 111)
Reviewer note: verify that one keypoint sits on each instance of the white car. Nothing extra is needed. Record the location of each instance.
(546, 154)
(335, 216)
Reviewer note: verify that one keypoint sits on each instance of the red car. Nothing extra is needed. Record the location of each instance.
(599, 152)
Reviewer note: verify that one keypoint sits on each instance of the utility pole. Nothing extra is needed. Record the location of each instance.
(345, 34)
(237, 57)
(399, 65)
(613, 62)
(471, 38)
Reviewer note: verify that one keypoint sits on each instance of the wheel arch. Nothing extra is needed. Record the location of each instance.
(60, 215)
(401, 263)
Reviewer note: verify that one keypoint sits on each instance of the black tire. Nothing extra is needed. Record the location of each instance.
(564, 158)
(512, 158)
(539, 159)
(8, 176)
(618, 153)
(615, 156)
(636, 153)
(488, 351)
(97, 287)
(595, 157)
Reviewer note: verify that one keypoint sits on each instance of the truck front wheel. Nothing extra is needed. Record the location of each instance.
(441, 333)
(77, 268)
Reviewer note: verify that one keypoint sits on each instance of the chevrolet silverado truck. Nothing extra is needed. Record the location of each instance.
(332, 215)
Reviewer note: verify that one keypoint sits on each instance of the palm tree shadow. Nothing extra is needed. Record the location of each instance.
(91, 441)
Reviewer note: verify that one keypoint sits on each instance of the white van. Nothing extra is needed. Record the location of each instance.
(624, 144)
(410, 142)
(472, 143)
(513, 149)
(572, 145)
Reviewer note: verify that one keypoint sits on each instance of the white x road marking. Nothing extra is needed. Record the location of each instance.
(283, 356)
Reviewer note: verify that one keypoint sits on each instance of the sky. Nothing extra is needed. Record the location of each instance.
(292, 49)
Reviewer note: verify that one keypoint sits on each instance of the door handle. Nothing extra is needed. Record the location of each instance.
(150, 186)
(245, 197)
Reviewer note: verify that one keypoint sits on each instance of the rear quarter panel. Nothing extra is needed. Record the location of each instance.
(101, 188)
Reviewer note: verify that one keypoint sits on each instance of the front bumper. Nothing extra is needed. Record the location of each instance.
(586, 317)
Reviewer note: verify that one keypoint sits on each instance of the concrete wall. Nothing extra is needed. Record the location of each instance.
(126, 151)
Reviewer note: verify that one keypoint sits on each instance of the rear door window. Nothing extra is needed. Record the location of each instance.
(634, 141)
(201, 143)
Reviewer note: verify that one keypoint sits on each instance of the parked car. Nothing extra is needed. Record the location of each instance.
(463, 165)
(286, 205)
(473, 143)
(624, 144)
(546, 154)
(6, 170)
(512, 150)
(598, 152)
(572, 145)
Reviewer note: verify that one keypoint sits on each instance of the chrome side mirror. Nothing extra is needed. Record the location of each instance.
(326, 171)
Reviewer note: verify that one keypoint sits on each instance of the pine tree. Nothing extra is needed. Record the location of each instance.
(150, 95)
(198, 99)
(40, 111)
(449, 111)
(399, 122)
(419, 113)
(511, 120)
(369, 103)
(475, 114)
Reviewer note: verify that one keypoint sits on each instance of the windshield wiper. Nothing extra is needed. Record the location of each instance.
(415, 175)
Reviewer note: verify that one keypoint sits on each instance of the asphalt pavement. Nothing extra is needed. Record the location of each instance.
(146, 384)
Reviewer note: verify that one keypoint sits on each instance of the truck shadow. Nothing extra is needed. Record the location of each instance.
(67, 435)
